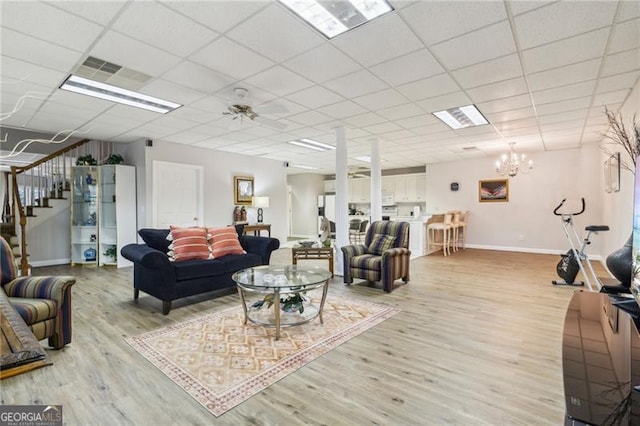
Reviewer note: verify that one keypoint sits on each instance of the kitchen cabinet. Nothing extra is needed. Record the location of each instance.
(330, 186)
(359, 190)
(410, 188)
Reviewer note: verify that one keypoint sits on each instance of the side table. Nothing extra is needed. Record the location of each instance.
(313, 253)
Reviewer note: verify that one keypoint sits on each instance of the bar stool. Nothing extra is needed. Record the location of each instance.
(442, 229)
(460, 226)
(453, 238)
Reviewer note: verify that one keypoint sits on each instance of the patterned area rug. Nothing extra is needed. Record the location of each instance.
(221, 362)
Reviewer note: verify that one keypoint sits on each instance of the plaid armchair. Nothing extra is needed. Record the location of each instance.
(384, 256)
(44, 303)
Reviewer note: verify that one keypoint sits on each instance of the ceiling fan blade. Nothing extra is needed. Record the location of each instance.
(270, 123)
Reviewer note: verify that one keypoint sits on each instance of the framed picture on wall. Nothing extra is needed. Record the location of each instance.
(243, 190)
(493, 190)
(607, 175)
(614, 172)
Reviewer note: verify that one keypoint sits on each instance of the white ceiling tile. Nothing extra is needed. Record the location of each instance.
(364, 120)
(383, 99)
(582, 71)
(575, 49)
(342, 109)
(626, 36)
(13, 70)
(522, 6)
(504, 68)
(194, 114)
(322, 63)
(617, 82)
(564, 92)
(379, 40)
(270, 33)
(230, 58)
(411, 67)
(401, 111)
(621, 62)
(88, 103)
(310, 118)
(563, 125)
(514, 114)
(197, 77)
(423, 119)
(435, 21)
(137, 56)
(48, 23)
(578, 114)
(99, 12)
(429, 87)
(611, 98)
(315, 97)
(218, 15)
(501, 89)
(39, 52)
(517, 124)
(562, 19)
(558, 107)
(178, 35)
(450, 100)
(172, 92)
(478, 46)
(279, 80)
(628, 10)
(382, 128)
(357, 84)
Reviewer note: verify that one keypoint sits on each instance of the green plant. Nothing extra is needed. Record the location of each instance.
(293, 301)
(86, 160)
(114, 159)
(111, 252)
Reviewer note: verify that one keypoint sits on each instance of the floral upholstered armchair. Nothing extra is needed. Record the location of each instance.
(44, 302)
(383, 257)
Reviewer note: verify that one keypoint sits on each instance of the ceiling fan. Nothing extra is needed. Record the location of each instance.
(357, 172)
(239, 110)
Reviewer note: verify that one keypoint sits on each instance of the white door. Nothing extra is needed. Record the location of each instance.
(177, 194)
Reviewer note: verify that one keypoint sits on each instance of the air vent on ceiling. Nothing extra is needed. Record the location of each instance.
(107, 72)
(469, 148)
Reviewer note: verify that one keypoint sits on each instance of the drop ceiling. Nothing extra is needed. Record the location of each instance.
(541, 72)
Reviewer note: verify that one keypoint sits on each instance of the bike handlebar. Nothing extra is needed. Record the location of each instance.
(555, 211)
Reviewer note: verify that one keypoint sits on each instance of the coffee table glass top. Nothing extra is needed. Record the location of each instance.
(284, 277)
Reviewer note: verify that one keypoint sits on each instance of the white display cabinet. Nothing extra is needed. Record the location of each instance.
(103, 214)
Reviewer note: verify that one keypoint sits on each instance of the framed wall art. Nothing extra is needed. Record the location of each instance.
(493, 190)
(614, 172)
(243, 190)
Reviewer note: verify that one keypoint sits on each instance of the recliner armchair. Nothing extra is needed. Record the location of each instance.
(43, 302)
(383, 257)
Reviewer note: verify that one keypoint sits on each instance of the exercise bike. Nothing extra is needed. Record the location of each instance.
(573, 260)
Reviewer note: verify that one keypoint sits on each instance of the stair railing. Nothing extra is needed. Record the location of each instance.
(44, 181)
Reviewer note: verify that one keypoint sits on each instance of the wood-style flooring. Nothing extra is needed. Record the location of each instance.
(477, 342)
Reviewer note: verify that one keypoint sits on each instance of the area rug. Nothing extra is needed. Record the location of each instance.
(221, 362)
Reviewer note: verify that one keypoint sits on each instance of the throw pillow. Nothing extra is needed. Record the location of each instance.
(155, 238)
(188, 243)
(224, 241)
(380, 243)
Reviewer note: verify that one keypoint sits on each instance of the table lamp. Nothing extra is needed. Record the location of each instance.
(260, 202)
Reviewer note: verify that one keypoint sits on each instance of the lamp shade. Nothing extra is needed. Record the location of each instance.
(260, 201)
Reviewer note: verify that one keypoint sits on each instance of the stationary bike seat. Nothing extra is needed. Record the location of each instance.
(596, 228)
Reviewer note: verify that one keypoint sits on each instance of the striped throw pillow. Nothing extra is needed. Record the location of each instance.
(380, 243)
(224, 241)
(188, 243)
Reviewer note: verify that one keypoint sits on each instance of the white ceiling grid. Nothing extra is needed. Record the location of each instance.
(540, 71)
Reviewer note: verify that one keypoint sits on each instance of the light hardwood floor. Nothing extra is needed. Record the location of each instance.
(477, 342)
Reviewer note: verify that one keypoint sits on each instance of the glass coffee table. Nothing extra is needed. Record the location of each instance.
(284, 288)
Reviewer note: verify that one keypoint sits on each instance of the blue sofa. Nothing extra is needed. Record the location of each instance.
(156, 275)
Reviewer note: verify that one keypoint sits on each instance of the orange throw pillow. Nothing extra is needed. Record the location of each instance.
(224, 241)
(188, 244)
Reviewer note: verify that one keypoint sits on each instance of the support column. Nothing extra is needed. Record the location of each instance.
(342, 197)
(376, 182)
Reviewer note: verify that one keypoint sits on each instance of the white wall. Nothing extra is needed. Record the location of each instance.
(219, 170)
(526, 222)
(305, 189)
(618, 206)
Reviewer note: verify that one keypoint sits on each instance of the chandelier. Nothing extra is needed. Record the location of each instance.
(510, 164)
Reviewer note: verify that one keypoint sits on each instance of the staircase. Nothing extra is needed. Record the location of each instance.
(30, 189)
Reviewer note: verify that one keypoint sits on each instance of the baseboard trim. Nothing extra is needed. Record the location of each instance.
(528, 250)
(52, 262)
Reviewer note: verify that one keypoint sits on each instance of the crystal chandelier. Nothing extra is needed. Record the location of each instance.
(510, 164)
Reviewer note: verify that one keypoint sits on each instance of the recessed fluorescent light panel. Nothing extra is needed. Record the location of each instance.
(84, 86)
(333, 17)
(461, 117)
(311, 144)
(301, 166)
